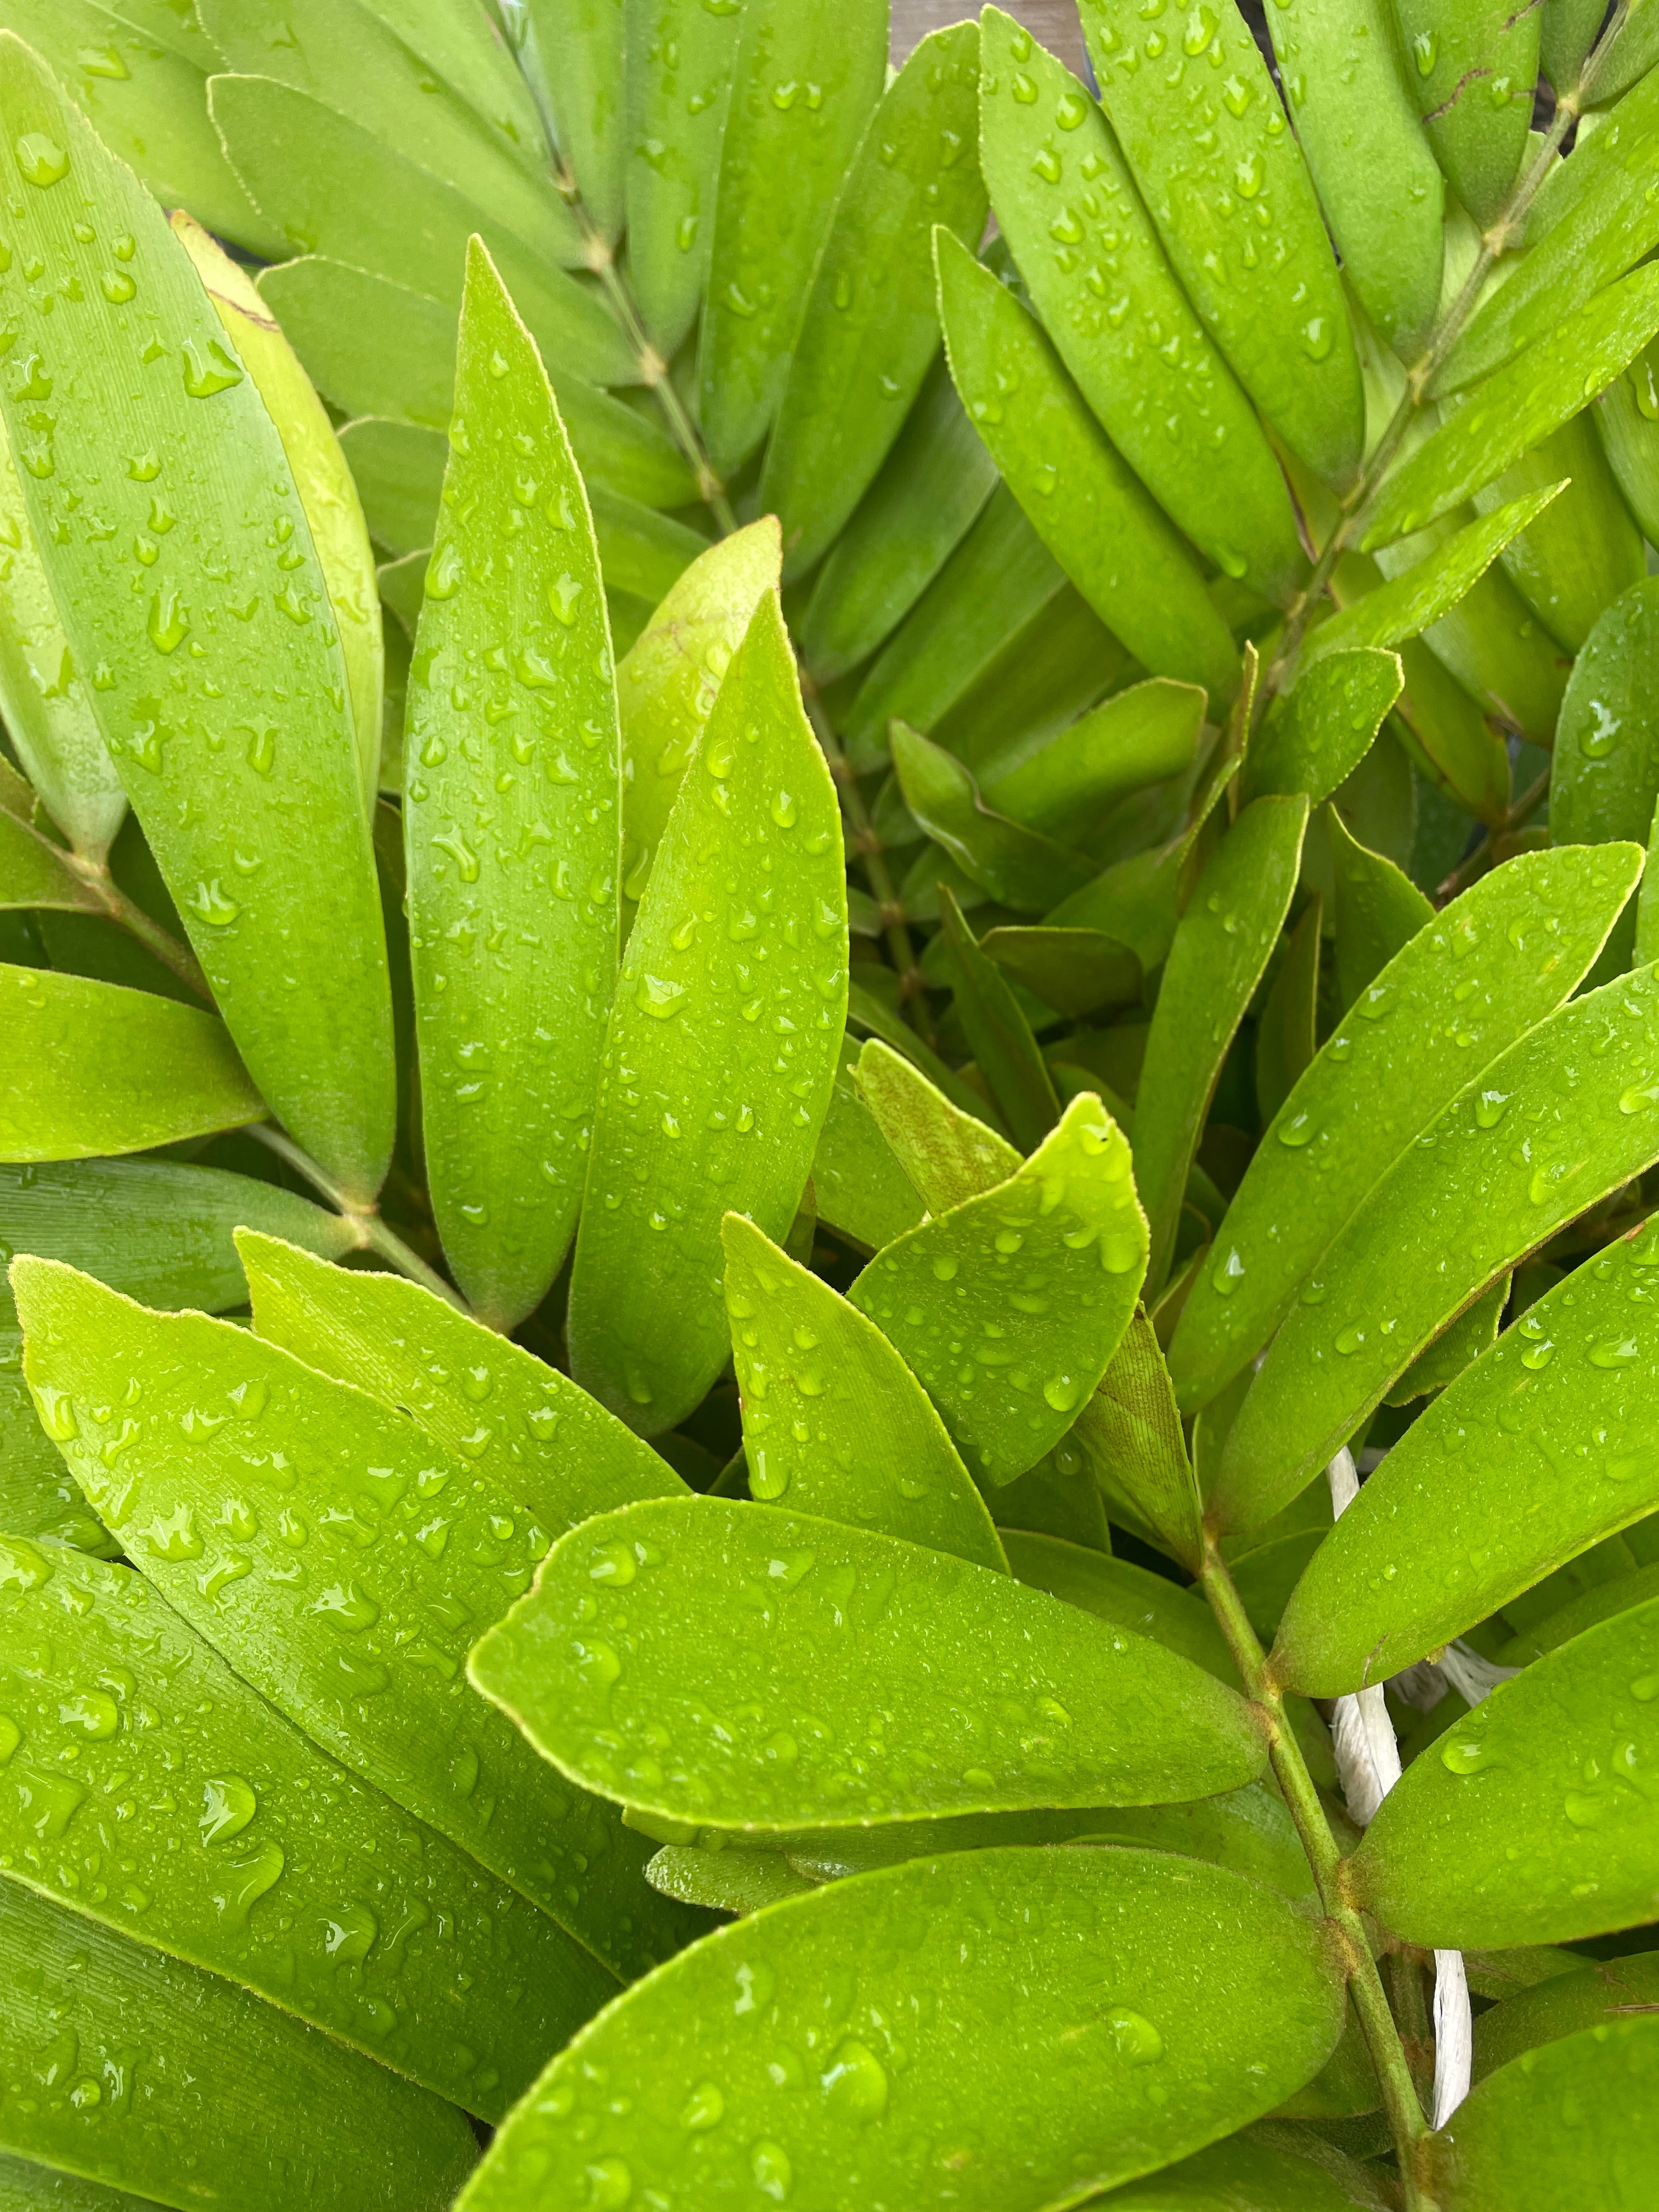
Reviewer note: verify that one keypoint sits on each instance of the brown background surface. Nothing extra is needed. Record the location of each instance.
(1053, 21)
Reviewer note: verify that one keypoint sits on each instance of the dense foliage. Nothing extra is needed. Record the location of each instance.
(828, 1067)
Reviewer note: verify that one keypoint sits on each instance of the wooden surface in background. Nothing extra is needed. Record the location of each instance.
(1053, 21)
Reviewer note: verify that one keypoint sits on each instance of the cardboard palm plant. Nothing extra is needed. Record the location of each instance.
(718, 1181)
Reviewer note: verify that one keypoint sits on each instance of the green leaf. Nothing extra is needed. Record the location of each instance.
(525, 1427)
(48, 719)
(1506, 2149)
(26, 2187)
(932, 485)
(165, 1071)
(1131, 1430)
(1018, 866)
(869, 329)
(1004, 1049)
(34, 872)
(667, 683)
(679, 58)
(641, 553)
(1075, 971)
(143, 90)
(512, 823)
(1272, 2168)
(1201, 161)
(398, 470)
(1584, 550)
(1597, 216)
(1319, 734)
(156, 1230)
(1129, 1596)
(320, 477)
(1381, 1078)
(1552, 1125)
(805, 83)
(863, 1192)
(1286, 1032)
(595, 1678)
(1080, 495)
(334, 189)
(1052, 160)
(873, 1013)
(1554, 1433)
(1473, 65)
(1530, 1820)
(255, 816)
(1379, 909)
(1474, 1331)
(1379, 186)
(1545, 385)
(39, 1497)
(1207, 1976)
(463, 47)
(143, 2053)
(1064, 781)
(1624, 423)
(1008, 1306)
(364, 1560)
(377, 348)
(725, 1025)
(1606, 777)
(725, 1880)
(1419, 597)
(999, 577)
(947, 1154)
(1451, 744)
(1491, 640)
(832, 1417)
(352, 63)
(251, 1833)
(574, 50)
(1220, 949)
(1563, 2005)
(1601, 1601)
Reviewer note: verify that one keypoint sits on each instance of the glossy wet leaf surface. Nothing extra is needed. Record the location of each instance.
(166, 1071)
(1512, 2148)
(174, 458)
(832, 1418)
(724, 1032)
(158, 1229)
(620, 1668)
(1524, 937)
(1221, 945)
(1556, 1122)
(246, 1852)
(1204, 135)
(1530, 1820)
(1082, 498)
(1104, 2059)
(141, 2052)
(1551, 1440)
(868, 328)
(512, 810)
(1067, 203)
(1543, 386)
(341, 1562)
(1009, 1305)
(804, 84)
(668, 681)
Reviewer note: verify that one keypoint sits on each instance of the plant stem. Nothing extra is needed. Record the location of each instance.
(653, 369)
(373, 1233)
(1400, 2098)
(177, 957)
